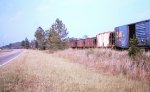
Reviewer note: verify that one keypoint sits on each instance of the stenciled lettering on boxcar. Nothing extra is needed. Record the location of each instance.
(118, 34)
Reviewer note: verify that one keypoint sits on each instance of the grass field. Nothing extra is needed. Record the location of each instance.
(111, 61)
(36, 71)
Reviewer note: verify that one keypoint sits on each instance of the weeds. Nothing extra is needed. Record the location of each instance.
(111, 61)
(35, 71)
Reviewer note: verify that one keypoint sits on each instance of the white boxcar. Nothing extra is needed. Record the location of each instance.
(105, 39)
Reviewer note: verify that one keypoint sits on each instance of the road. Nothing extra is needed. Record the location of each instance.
(6, 57)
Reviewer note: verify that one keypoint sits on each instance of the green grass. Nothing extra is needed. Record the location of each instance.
(35, 71)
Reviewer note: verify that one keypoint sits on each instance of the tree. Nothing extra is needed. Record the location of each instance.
(27, 43)
(23, 44)
(57, 37)
(40, 37)
(85, 36)
(10, 46)
(133, 49)
(34, 44)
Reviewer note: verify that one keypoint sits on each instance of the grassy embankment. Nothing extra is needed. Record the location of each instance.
(111, 62)
(35, 71)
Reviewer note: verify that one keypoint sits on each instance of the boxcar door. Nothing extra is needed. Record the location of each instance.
(141, 33)
(148, 33)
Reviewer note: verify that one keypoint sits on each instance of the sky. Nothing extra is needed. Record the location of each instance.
(20, 18)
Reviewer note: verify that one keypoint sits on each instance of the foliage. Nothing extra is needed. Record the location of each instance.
(10, 45)
(40, 37)
(25, 43)
(85, 36)
(54, 38)
(34, 44)
(57, 37)
(133, 49)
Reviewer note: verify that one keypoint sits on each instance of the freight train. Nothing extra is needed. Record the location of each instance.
(118, 38)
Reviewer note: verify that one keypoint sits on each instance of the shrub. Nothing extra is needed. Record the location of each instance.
(133, 49)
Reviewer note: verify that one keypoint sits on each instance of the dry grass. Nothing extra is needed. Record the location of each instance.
(35, 71)
(111, 61)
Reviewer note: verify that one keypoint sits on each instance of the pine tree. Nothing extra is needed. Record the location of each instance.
(40, 37)
(27, 43)
(57, 37)
(23, 44)
(133, 49)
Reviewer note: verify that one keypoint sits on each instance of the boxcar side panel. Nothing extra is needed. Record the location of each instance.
(81, 43)
(148, 33)
(106, 40)
(72, 44)
(141, 33)
(90, 42)
(100, 38)
(122, 36)
(87, 42)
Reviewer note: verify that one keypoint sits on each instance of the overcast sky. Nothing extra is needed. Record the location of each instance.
(20, 18)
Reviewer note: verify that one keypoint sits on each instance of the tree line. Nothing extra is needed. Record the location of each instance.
(53, 38)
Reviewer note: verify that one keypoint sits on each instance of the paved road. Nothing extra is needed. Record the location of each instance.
(6, 57)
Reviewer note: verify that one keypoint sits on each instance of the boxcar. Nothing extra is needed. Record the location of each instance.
(90, 42)
(81, 43)
(72, 43)
(140, 30)
(105, 39)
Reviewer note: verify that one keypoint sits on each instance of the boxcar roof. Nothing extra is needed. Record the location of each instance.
(135, 22)
(87, 38)
(105, 32)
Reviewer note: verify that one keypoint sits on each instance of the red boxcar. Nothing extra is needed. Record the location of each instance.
(90, 42)
(72, 44)
(81, 43)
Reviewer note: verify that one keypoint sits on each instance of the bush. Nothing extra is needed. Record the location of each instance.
(133, 49)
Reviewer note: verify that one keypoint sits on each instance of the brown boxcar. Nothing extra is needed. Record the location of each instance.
(105, 39)
(81, 43)
(90, 42)
(72, 44)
